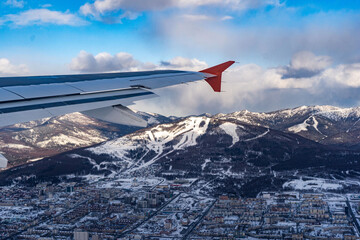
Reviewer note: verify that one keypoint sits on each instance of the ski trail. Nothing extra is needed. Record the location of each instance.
(158, 140)
(353, 125)
(230, 129)
(315, 126)
(259, 136)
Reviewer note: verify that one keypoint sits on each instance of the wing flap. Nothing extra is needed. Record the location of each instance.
(23, 111)
(117, 114)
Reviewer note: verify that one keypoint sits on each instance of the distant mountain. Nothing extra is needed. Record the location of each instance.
(241, 153)
(324, 124)
(47, 137)
(154, 118)
(243, 158)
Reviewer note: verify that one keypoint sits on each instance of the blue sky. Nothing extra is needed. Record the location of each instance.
(56, 37)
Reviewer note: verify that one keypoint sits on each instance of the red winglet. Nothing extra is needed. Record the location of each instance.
(215, 82)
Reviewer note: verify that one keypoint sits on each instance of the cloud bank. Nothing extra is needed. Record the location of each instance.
(101, 7)
(105, 62)
(8, 69)
(306, 64)
(113, 11)
(330, 33)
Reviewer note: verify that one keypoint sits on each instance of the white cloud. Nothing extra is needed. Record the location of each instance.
(47, 5)
(306, 64)
(307, 60)
(181, 63)
(102, 7)
(7, 68)
(15, 3)
(86, 62)
(225, 18)
(197, 17)
(345, 75)
(105, 62)
(203, 17)
(43, 16)
(187, 33)
(330, 34)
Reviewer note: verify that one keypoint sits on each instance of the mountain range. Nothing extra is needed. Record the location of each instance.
(241, 153)
(34, 140)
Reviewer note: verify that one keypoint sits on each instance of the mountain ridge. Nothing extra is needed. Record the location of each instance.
(328, 125)
(225, 152)
(241, 153)
(47, 137)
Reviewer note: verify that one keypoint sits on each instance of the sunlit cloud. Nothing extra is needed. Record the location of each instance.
(105, 62)
(101, 9)
(8, 69)
(306, 64)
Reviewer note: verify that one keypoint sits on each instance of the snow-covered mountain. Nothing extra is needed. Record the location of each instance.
(50, 136)
(154, 118)
(324, 124)
(241, 153)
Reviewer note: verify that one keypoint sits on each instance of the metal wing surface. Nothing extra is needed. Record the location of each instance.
(101, 95)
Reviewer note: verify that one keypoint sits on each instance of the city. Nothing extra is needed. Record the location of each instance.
(121, 208)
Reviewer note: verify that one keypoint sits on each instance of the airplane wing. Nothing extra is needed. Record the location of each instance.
(102, 95)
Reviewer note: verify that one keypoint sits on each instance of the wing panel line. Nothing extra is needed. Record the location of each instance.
(15, 94)
(65, 95)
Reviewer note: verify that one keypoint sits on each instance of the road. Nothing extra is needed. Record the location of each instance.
(193, 226)
(148, 218)
(352, 215)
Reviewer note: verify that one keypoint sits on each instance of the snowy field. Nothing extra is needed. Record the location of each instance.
(130, 183)
(312, 184)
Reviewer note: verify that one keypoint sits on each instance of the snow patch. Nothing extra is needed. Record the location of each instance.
(299, 127)
(204, 164)
(63, 140)
(230, 129)
(304, 126)
(16, 146)
(91, 161)
(313, 184)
